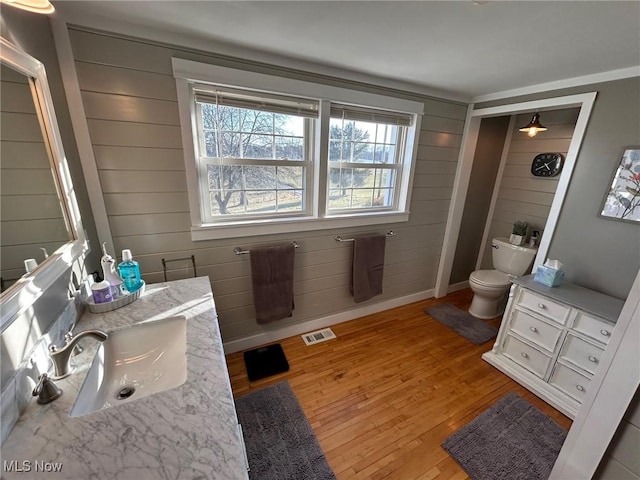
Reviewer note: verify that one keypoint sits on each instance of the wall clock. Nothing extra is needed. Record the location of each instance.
(547, 164)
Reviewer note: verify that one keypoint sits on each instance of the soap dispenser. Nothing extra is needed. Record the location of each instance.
(109, 273)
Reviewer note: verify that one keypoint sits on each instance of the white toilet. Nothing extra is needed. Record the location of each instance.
(491, 286)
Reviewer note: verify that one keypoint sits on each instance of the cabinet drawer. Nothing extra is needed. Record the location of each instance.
(581, 353)
(569, 381)
(593, 327)
(544, 306)
(539, 332)
(526, 356)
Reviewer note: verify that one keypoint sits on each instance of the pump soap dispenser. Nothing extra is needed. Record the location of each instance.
(109, 273)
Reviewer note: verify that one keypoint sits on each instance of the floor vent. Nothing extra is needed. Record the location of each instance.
(318, 336)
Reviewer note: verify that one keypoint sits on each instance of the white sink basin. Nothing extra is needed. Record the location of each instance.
(133, 363)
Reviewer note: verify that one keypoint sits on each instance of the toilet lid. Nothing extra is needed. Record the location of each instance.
(490, 278)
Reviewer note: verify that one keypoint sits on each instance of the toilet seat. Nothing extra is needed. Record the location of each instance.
(490, 278)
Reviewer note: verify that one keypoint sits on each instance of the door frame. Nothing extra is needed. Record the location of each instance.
(584, 101)
(610, 392)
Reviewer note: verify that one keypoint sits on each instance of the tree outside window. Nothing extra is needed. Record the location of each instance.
(258, 137)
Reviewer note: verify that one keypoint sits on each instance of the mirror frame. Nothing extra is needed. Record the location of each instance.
(20, 296)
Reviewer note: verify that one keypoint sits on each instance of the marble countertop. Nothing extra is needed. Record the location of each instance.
(597, 303)
(186, 432)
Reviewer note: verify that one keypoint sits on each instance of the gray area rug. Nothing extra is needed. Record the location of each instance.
(512, 440)
(463, 323)
(280, 442)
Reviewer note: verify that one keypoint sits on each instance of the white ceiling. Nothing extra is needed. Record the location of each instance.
(457, 48)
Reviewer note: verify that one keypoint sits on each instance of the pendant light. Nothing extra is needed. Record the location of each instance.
(534, 126)
(36, 6)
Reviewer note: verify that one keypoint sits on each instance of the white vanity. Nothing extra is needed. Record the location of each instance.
(190, 431)
(551, 339)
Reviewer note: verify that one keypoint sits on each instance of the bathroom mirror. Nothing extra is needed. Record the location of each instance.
(40, 220)
(33, 218)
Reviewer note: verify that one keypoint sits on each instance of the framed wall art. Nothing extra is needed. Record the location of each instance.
(622, 200)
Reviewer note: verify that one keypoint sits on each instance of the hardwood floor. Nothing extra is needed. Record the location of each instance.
(385, 394)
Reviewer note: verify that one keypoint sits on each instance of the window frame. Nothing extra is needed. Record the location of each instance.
(203, 184)
(396, 167)
(188, 73)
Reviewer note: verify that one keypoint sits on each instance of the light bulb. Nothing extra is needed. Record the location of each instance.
(36, 6)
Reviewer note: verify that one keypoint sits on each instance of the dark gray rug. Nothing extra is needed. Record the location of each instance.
(280, 442)
(463, 323)
(512, 440)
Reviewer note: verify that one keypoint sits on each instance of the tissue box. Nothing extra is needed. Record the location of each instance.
(548, 276)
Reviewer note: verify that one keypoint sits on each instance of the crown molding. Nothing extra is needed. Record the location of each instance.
(559, 84)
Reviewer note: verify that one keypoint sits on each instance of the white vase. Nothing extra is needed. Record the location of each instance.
(516, 239)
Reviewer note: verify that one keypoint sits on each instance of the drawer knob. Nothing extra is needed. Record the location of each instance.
(605, 333)
(580, 388)
(524, 355)
(533, 329)
(542, 305)
(593, 359)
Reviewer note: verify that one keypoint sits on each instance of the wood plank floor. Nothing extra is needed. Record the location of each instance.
(389, 390)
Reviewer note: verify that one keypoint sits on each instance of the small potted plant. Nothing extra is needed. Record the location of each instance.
(518, 233)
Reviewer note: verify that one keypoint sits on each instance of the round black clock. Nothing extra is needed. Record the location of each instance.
(547, 164)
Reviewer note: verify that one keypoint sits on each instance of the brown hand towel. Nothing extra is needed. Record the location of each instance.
(368, 266)
(272, 280)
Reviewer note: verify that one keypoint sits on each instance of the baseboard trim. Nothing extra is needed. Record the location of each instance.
(318, 323)
(458, 286)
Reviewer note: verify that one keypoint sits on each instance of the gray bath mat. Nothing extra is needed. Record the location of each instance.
(512, 440)
(280, 442)
(463, 323)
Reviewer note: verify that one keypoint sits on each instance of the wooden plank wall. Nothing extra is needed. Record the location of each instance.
(523, 196)
(31, 217)
(130, 100)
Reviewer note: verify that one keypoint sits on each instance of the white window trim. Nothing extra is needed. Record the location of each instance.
(307, 163)
(187, 72)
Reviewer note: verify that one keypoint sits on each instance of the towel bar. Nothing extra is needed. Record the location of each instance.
(390, 233)
(239, 251)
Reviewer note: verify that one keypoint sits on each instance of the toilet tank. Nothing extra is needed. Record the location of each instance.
(512, 259)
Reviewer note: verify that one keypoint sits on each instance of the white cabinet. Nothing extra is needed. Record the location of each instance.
(592, 327)
(551, 340)
(543, 334)
(580, 353)
(570, 381)
(526, 356)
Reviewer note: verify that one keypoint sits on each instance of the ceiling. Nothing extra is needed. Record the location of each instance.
(460, 49)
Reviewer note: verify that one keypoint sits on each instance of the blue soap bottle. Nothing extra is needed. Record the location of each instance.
(130, 272)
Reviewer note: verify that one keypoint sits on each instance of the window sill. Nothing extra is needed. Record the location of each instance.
(272, 227)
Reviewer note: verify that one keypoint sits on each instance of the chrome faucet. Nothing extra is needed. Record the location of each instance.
(62, 356)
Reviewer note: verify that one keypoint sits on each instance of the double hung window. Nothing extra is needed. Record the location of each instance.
(254, 154)
(365, 158)
(267, 154)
